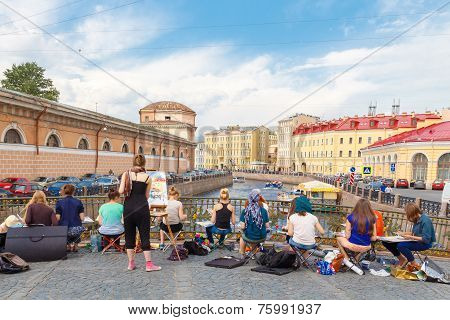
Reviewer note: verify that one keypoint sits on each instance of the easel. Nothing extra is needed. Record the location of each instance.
(159, 212)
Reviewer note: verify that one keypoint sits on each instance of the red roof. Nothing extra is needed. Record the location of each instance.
(379, 121)
(435, 132)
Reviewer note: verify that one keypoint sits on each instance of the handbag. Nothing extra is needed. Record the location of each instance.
(10, 263)
(182, 253)
(337, 262)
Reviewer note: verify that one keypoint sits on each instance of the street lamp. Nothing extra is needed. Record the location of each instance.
(102, 128)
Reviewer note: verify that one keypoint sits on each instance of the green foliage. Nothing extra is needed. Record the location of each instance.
(29, 78)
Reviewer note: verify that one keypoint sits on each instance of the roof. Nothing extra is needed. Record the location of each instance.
(434, 132)
(379, 121)
(167, 106)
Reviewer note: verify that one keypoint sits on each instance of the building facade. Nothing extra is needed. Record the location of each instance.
(236, 147)
(200, 156)
(285, 154)
(39, 137)
(331, 147)
(420, 154)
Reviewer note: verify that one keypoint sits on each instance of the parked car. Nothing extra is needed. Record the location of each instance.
(54, 188)
(375, 185)
(438, 184)
(68, 179)
(8, 182)
(402, 183)
(411, 183)
(90, 176)
(108, 182)
(44, 181)
(420, 184)
(25, 189)
(92, 187)
(388, 182)
(5, 194)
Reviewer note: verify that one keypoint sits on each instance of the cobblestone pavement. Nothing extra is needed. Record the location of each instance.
(95, 276)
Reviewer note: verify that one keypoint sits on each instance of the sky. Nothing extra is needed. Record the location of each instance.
(234, 61)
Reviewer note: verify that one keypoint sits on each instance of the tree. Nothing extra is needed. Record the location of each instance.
(29, 78)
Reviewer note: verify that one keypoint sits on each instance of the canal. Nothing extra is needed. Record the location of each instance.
(241, 190)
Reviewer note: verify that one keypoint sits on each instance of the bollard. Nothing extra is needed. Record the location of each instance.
(85, 191)
(418, 201)
(380, 195)
(397, 201)
(443, 212)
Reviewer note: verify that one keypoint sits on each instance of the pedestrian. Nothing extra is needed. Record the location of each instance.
(135, 185)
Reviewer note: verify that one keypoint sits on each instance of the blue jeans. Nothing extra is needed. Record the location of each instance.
(405, 248)
(301, 246)
(213, 229)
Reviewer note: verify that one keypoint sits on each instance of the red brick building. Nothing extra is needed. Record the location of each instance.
(39, 137)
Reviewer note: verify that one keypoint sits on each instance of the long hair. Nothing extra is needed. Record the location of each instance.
(363, 214)
(38, 197)
(413, 212)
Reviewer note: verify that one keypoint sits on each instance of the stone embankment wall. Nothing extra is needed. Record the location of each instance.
(192, 188)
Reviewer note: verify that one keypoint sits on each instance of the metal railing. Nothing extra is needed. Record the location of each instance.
(197, 209)
(403, 201)
(388, 198)
(374, 195)
(430, 207)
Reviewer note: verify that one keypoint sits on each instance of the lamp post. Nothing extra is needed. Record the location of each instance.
(102, 128)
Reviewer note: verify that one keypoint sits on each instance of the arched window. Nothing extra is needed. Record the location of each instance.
(164, 153)
(181, 155)
(384, 159)
(125, 148)
(53, 141)
(389, 159)
(395, 158)
(141, 150)
(106, 146)
(153, 153)
(83, 144)
(443, 171)
(173, 154)
(419, 167)
(12, 136)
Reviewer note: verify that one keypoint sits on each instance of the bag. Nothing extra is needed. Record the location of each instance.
(225, 262)
(182, 253)
(263, 258)
(433, 272)
(283, 259)
(75, 232)
(35, 244)
(337, 262)
(404, 274)
(325, 268)
(277, 271)
(194, 248)
(10, 263)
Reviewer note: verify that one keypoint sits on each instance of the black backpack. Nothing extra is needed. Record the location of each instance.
(182, 253)
(283, 259)
(195, 249)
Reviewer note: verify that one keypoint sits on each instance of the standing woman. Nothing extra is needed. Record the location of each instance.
(135, 185)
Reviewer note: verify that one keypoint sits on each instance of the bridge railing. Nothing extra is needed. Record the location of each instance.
(198, 209)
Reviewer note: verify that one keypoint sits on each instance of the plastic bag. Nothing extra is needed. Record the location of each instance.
(432, 272)
(325, 268)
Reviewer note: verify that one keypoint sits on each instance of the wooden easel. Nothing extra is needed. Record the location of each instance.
(159, 211)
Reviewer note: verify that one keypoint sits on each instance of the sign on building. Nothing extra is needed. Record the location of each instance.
(392, 167)
(367, 170)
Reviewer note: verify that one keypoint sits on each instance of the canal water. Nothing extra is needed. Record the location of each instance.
(241, 190)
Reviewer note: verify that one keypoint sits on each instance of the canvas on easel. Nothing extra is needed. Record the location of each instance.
(158, 191)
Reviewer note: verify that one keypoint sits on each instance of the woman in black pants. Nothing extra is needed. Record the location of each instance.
(135, 185)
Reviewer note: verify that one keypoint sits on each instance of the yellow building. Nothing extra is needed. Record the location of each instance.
(421, 154)
(331, 147)
(236, 147)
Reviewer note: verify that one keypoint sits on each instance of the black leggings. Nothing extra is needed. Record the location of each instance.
(140, 220)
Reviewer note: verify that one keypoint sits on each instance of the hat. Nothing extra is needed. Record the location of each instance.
(302, 204)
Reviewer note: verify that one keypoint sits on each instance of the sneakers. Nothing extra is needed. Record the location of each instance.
(149, 266)
(131, 265)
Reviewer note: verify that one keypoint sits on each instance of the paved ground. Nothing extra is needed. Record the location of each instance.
(93, 276)
(431, 195)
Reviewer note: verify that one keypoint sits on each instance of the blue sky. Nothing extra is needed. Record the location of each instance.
(236, 61)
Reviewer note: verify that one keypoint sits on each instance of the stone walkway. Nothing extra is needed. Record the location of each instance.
(95, 276)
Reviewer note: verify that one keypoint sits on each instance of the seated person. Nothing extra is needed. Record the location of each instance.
(360, 229)
(39, 212)
(110, 216)
(302, 227)
(12, 221)
(254, 221)
(70, 213)
(422, 237)
(379, 223)
(222, 216)
(175, 215)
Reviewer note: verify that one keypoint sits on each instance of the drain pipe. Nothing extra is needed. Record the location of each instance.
(160, 153)
(103, 127)
(178, 160)
(37, 128)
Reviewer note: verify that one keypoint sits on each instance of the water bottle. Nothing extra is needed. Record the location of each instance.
(99, 243)
(352, 267)
(94, 241)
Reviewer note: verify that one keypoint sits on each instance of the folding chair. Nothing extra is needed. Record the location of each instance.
(222, 244)
(355, 258)
(302, 260)
(253, 245)
(174, 240)
(112, 242)
(370, 255)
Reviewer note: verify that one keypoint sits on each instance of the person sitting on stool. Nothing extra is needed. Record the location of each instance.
(175, 215)
(110, 216)
(222, 216)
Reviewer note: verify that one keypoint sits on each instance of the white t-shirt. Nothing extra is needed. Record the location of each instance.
(304, 228)
(173, 209)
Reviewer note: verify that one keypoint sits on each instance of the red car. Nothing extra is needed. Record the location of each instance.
(26, 189)
(402, 183)
(8, 182)
(438, 184)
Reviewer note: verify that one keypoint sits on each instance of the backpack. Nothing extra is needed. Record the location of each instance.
(263, 258)
(194, 248)
(10, 263)
(182, 253)
(283, 259)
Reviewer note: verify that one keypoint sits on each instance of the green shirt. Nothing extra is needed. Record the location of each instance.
(111, 214)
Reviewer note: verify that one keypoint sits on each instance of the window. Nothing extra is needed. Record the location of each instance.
(53, 141)
(125, 148)
(420, 167)
(341, 141)
(164, 153)
(350, 140)
(414, 122)
(167, 117)
(106, 146)
(340, 154)
(350, 154)
(173, 154)
(153, 152)
(443, 171)
(360, 140)
(12, 136)
(372, 123)
(83, 144)
(359, 154)
(146, 118)
(369, 140)
(379, 138)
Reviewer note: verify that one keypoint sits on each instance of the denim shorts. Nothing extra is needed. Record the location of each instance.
(301, 246)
